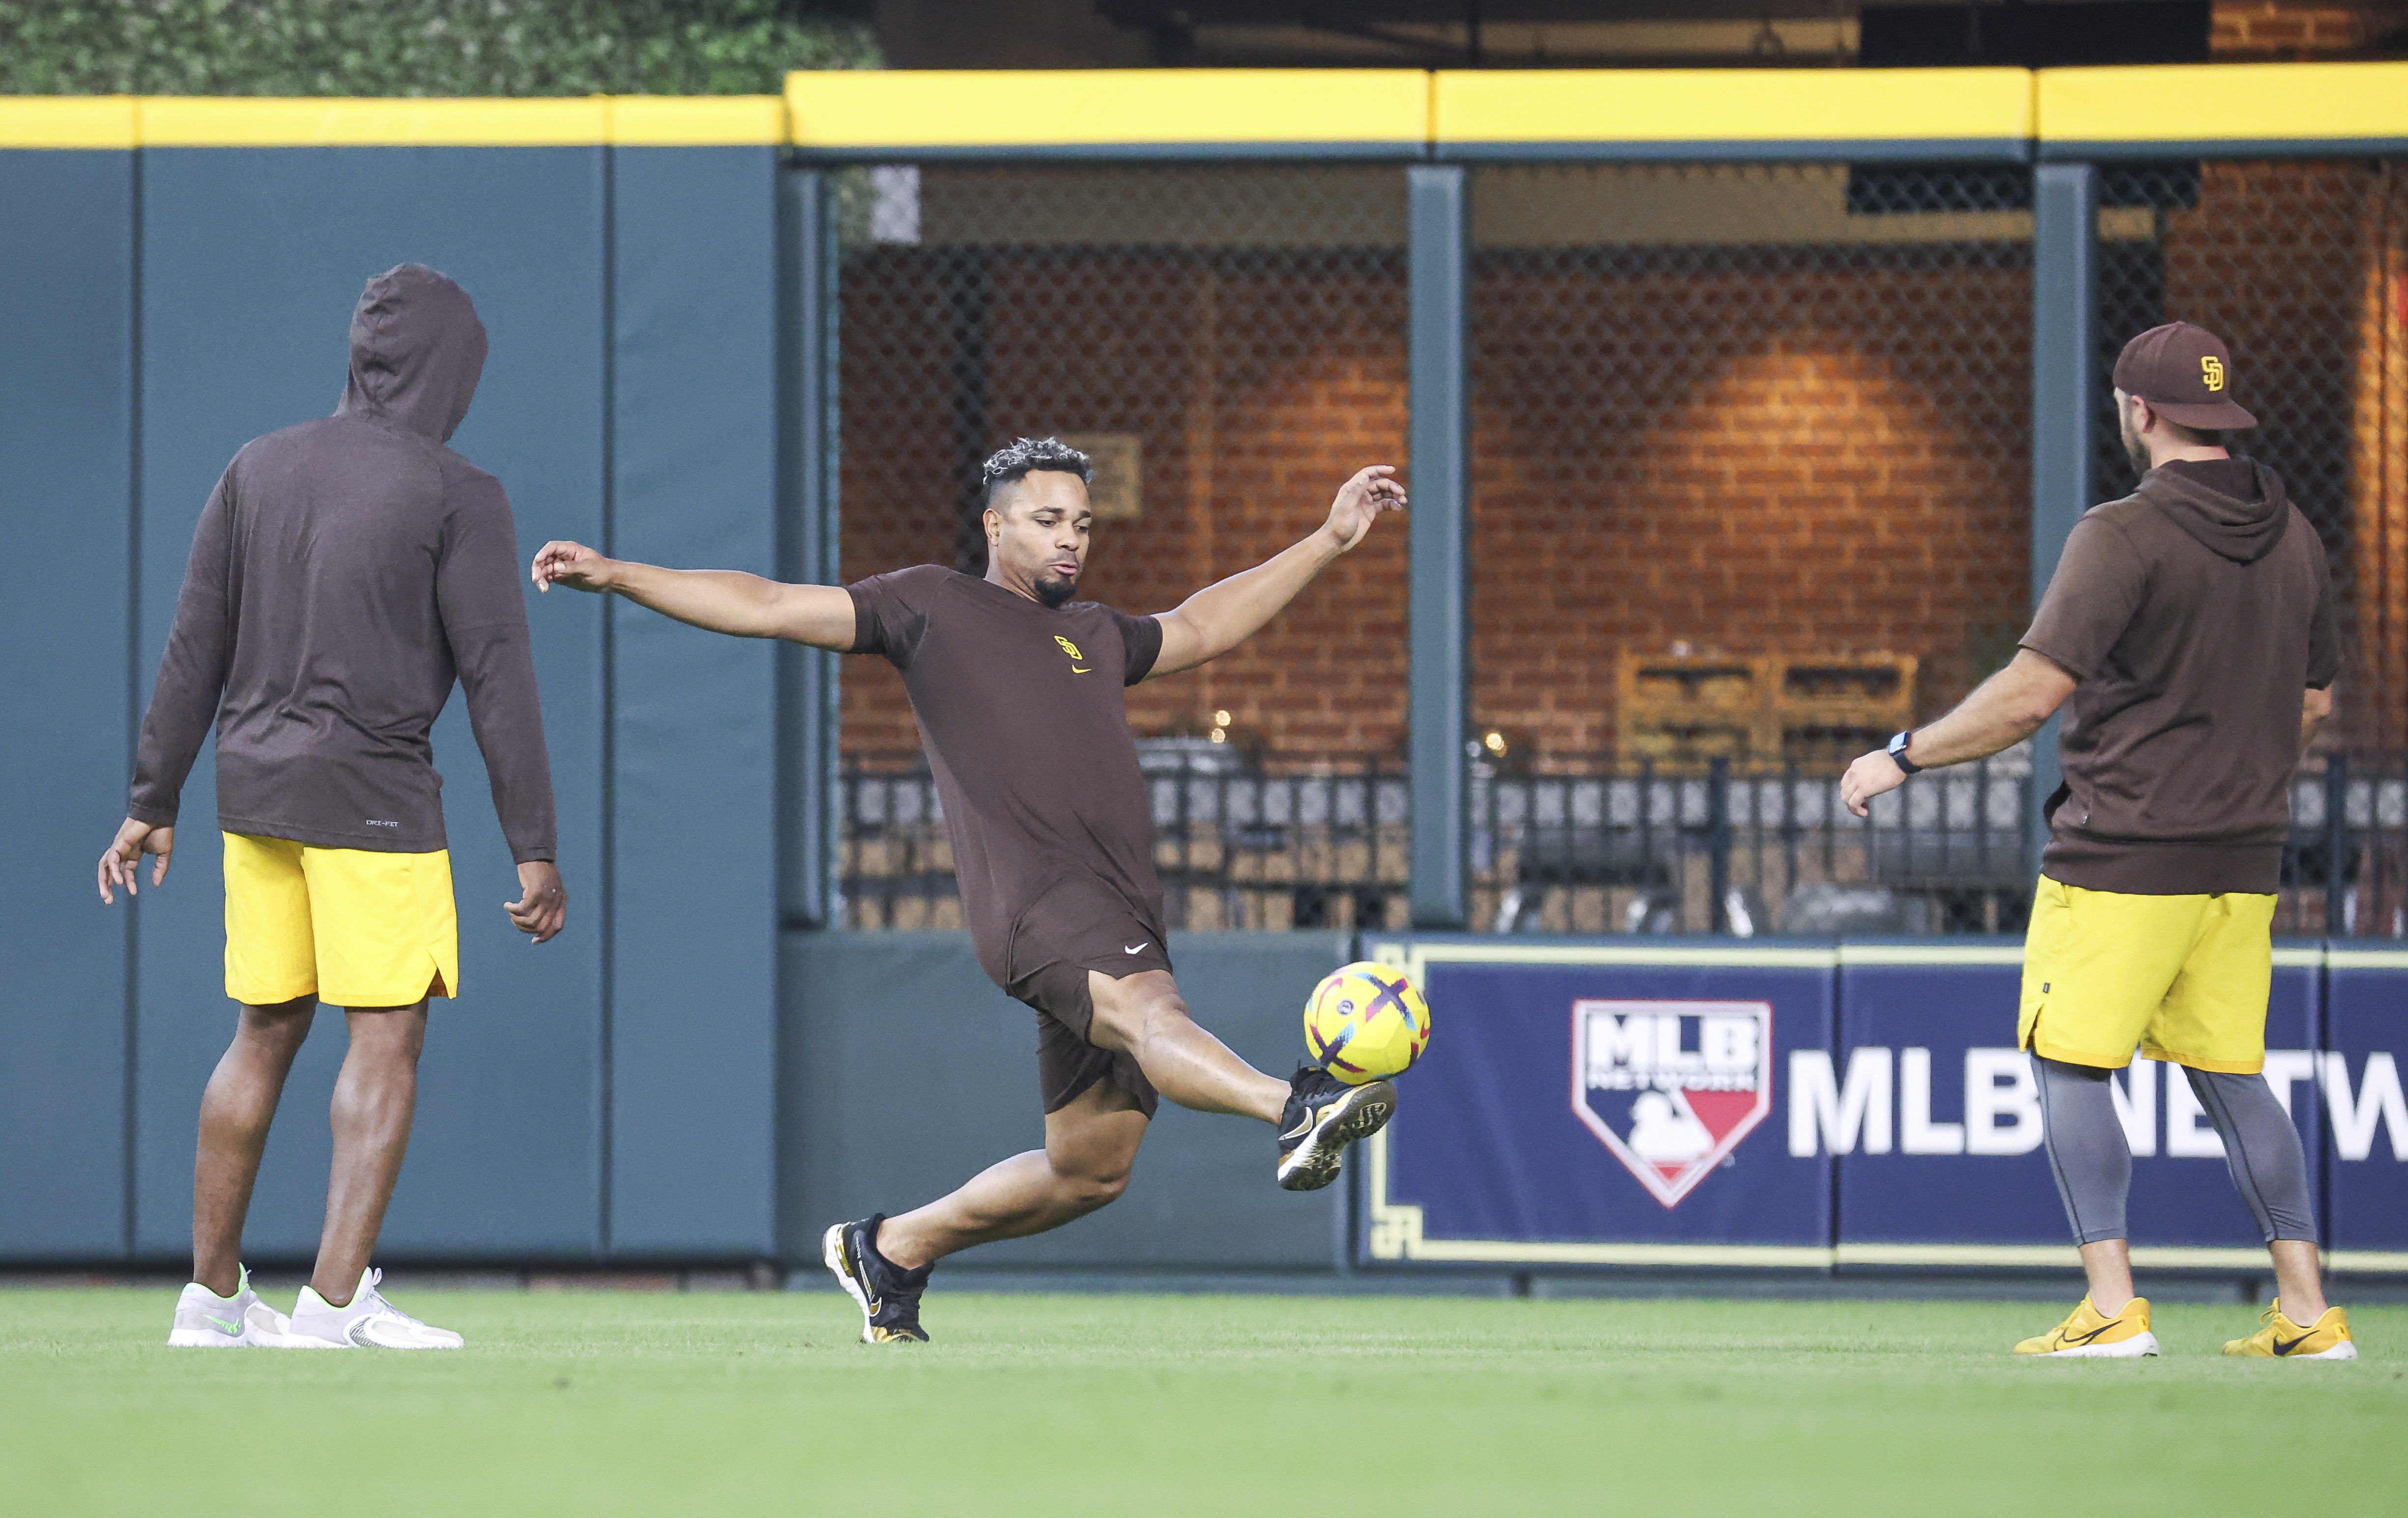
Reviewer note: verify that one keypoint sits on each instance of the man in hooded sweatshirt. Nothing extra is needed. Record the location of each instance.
(345, 572)
(2191, 624)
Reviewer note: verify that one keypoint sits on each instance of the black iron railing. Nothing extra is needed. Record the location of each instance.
(1623, 848)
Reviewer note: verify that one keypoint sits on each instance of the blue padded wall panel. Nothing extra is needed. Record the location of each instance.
(693, 749)
(863, 1006)
(253, 260)
(66, 395)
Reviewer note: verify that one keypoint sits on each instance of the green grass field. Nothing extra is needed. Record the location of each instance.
(609, 1403)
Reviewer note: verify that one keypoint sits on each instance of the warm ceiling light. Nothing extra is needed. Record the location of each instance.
(1219, 735)
(1495, 742)
(1220, 719)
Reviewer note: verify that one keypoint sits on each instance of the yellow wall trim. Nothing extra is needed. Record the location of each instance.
(1731, 104)
(860, 113)
(1993, 1255)
(69, 121)
(2368, 1261)
(210, 122)
(190, 121)
(2212, 103)
(936, 110)
(697, 120)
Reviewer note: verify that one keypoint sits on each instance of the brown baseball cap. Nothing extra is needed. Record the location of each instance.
(2186, 375)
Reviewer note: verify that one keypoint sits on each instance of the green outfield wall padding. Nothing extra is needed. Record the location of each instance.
(67, 392)
(251, 260)
(907, 1072)
(694, 896)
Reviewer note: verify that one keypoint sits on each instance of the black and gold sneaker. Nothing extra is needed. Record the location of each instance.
(889, 1295)
(1324, 1115)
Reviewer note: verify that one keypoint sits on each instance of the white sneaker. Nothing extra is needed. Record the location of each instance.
(206, 1320)
(370, 1323)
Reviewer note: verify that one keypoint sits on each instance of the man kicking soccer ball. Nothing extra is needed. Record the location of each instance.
(1018, 690)
(2191, 625)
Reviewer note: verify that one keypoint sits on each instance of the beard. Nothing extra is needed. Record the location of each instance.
(2132, 449)
(1055, 591)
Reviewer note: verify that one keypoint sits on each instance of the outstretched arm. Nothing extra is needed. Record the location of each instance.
(1224, 614)
(717, 600)
(2003, 710)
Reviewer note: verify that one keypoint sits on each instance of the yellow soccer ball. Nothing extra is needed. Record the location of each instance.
(1365, 1022)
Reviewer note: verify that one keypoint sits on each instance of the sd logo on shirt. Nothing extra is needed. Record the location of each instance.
(1072, 650)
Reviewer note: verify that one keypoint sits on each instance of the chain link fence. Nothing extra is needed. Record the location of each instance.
(1751, 490)
(1752, 471)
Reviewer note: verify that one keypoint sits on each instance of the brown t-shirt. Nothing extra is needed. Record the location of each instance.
(2193, 619)
(1021, 710)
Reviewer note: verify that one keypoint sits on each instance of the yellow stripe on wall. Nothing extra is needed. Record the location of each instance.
(861, 111)
(906, 108)
(69, 122)
(697, 120)
(2225, 103)
(1731, 104)
(191, 122)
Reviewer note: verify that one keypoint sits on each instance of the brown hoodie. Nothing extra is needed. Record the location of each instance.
(2193, 616)
(344, 574)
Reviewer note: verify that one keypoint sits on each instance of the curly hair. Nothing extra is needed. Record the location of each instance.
(1023, 456)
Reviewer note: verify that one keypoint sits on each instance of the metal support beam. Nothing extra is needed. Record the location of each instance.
(1441, 594)
(807, 786)
(2065, 378)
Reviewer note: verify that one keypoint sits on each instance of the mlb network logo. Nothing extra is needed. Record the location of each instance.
(1671, 1087)
(1886, 1100)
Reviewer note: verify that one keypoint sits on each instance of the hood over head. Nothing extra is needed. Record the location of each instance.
(2242, 531)
(417, 350)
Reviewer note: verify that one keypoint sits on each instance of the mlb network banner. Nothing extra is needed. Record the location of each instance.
(1816, 1104)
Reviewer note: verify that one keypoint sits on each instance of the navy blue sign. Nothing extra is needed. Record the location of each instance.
(1933, 1114)
(2366, 1110)
(1587, 1103)
(1625, 1103)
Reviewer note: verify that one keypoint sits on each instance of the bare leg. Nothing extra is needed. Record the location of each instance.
(2298, 1283)
(2108, 1263)
(236, 1111)
(374, 1097)
(1089, 1147)
(1145, 1015)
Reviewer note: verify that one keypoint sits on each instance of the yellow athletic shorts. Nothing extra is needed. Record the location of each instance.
(2181, 977)
(351, 927)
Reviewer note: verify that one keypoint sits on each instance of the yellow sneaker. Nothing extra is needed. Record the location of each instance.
(2089, 1332)
(2283, 1340)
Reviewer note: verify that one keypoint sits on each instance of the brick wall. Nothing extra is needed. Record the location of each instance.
(1802, 450)
(1745, 461)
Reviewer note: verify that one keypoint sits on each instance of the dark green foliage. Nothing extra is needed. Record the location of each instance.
(421, 47)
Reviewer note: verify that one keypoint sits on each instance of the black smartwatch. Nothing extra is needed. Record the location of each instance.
(1897, 751)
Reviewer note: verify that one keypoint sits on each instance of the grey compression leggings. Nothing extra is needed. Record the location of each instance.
(2093, 1164)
